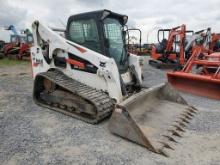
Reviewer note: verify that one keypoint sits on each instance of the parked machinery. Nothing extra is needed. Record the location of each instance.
(90, 74)
(12, 48)
(170, 52)
(24, 51)
(201, 74)
(19, 45)
(2, 43)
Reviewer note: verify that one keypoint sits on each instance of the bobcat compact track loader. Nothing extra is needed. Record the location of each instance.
(89, 75)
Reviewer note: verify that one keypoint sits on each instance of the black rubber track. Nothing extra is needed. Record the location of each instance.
(101, 100)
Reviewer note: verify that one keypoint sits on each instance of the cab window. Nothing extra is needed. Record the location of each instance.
(85, 33)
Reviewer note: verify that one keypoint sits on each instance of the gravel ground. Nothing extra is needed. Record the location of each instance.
(33, 135)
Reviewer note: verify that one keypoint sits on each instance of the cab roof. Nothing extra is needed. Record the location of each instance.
(100, 15)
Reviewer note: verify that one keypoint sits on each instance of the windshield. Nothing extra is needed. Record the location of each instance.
(114, 36)
(84, 32)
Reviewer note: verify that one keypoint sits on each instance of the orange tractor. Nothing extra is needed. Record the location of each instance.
(201, 73)
(170, 53)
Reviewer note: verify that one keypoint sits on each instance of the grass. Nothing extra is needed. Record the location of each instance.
(8, 62)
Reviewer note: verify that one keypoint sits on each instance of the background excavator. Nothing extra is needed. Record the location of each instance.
(89, 75)
(170, 52)
(175, 51)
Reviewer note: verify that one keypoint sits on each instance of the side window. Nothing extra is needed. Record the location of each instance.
(85, 33)
(29, 38)
(113, 33)
(14, 39)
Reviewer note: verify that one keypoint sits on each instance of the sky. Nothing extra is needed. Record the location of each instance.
(148, 15)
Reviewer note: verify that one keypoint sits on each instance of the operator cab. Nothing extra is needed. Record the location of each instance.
(101, 31)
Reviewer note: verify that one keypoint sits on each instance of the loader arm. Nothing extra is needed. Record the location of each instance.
(42, 32)
(172, 34)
